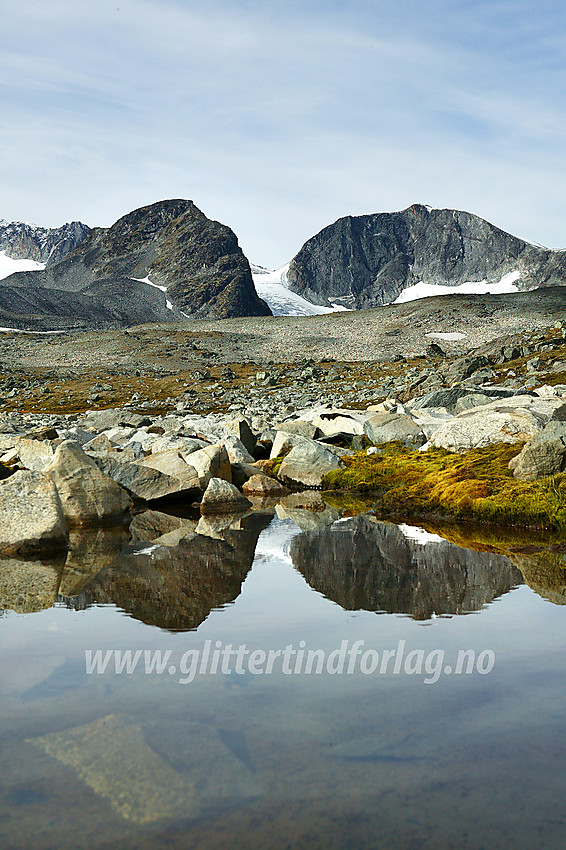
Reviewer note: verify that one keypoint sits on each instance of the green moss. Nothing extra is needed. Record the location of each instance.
(477, 485)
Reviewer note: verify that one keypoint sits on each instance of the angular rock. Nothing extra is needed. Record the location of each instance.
(237, 452)
(171, 463)
(28, 586)
(544, 454)
(145, 482)
(511, 420)
(385, 427)
(263, 485)
(240, 427)
(299, 426)
(466, 402)
(31, 515)
(88, 496)
(222, 497)
(307, 463)
(211, 462)
(35, 454)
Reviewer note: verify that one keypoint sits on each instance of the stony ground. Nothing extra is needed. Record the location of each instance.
(349, 359)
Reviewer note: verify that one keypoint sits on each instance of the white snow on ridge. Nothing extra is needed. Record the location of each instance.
(9, 266)
(272, 287)
(480, 287)
(168, 304)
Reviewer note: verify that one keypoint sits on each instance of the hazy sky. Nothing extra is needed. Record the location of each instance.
(279, 116)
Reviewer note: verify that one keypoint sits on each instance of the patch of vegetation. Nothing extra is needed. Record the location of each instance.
(477, 485)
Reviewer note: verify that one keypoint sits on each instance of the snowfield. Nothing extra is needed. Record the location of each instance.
(480, 287)
(9, 266)
(272, 287)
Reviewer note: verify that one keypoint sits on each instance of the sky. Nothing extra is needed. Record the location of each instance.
(277, 117)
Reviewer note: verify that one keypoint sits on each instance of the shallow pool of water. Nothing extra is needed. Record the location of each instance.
(337, 683)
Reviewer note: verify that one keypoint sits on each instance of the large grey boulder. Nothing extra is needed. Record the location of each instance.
(222, 497)
(510, 420)
(240, 428)
(211, 462)
(145, 482)
(237, 452)
(301, 427)
(334, 422)
(263, 485)
(307, 463)
(35, 454)
(284, 442)
(385, 427)
(544, 454)
(88, 496)
(31, 515)
(171, 463)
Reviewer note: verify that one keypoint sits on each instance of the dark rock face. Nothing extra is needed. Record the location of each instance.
(43, 244)
(173, 243)
(366, 261)
(365, 564)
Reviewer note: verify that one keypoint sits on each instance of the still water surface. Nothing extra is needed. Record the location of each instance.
(413, 757)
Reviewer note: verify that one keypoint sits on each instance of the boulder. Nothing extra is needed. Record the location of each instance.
(35, 454)
(237, 452)
(301, 427)
(544, 454)
(101, 420)
(145, 482)
(333, 422)
(510, 420)
(222, 497)
(171, 463)
(211, 462)
(307, 463)
(88, 496)
(466, 402)
(31, 515)
(241, 472)
(385, 427)
(263, 485)
(284, 442)
(240, 428)
(28, 586)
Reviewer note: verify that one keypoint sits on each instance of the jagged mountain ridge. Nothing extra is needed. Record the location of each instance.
(367, 261)
(23, 241)
(196, 260)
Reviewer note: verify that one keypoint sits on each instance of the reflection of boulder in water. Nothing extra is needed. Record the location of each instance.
(29, 586)
(90, 550)
(176, 587)
(362, 563)
(544, 572)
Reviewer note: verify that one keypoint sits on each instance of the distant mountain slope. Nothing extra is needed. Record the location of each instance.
(22, 241)
(168, 254)
(369, 260)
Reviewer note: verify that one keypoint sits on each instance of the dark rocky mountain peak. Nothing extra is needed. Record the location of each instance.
(368, 260)
(196, 260)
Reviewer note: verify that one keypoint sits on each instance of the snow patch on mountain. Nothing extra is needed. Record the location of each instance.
(481, 287)
(272, 287)
(9, 266)
(168, 304)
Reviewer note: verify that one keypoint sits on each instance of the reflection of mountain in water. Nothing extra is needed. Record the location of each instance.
(176, 587)
(544, 572)
(362, 563)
